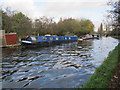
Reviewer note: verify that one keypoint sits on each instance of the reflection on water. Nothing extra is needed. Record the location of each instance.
(61, 66)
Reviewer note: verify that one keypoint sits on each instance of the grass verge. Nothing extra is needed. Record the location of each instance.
(117, 37)
(103, 74)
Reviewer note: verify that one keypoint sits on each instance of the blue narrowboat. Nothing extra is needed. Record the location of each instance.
(47, 40)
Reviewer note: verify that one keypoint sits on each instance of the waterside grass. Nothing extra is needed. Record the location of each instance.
(103, 74)
(117, 37)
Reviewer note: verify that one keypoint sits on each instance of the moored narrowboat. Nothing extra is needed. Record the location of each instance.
(89, 36)
(47, 40)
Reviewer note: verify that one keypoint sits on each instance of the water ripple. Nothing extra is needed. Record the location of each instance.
(66, 65)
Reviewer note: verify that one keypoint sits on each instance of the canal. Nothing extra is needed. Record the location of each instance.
(61, 66)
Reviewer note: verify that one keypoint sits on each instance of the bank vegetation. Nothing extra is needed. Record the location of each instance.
(19, 23)
(104, 73)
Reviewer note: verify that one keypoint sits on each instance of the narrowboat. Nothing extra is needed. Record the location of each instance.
(89, 36)
(47, 40)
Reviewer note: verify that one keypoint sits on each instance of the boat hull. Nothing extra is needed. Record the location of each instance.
(28, 44)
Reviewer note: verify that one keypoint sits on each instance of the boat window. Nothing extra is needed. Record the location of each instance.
(33, 38)
(44, 38)
(51, 38)
(56, 38)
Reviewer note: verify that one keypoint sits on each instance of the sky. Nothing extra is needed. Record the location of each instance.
(94, 10)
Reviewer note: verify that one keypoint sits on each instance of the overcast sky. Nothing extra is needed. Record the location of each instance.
(95, 10)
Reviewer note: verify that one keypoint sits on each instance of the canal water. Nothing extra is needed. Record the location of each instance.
(62, 66)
